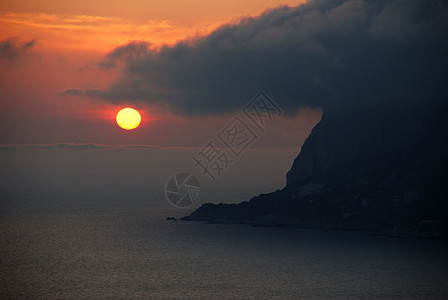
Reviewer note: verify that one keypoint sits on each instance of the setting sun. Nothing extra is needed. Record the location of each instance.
(128, 118)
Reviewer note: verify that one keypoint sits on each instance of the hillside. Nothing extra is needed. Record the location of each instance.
(360, 169)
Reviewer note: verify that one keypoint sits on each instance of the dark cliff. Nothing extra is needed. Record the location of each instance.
(343, 136)
(361, 169)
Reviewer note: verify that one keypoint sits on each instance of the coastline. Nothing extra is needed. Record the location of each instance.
(422, 230)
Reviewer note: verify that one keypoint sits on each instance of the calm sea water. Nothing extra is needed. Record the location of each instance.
(73, 235)
(135, 253)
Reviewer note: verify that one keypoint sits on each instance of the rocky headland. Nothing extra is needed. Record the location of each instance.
(370, 168)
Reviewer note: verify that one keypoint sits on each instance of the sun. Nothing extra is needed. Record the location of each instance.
(128, 118)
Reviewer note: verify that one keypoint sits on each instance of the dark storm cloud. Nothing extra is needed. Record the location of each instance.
(340, 52)
(132, 51)
(11, 50)
(71, 92)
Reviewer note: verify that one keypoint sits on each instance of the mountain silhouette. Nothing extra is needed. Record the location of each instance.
(372, 167)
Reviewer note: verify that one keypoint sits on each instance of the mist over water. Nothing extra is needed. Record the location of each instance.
(77, 224)
(66, 179)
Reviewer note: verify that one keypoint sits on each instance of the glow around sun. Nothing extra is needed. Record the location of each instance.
(128, 118)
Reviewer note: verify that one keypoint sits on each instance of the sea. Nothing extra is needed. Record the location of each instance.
(89, 235)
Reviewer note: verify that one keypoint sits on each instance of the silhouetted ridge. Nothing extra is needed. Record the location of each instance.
(367, 168)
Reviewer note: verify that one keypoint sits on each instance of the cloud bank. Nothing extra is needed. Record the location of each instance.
(339, 52)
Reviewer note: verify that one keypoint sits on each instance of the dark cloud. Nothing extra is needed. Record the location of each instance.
(71, 92)
(324, 52)
(11, 50)
(132, 51)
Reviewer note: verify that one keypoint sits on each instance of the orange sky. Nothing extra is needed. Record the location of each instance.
(102, 25)
(71, 37)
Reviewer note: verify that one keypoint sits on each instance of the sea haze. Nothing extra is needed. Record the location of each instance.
(91, 224)
(70, 179)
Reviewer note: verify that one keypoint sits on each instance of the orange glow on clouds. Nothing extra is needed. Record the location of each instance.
(70, 38)
(87, 32)
(100, 26)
